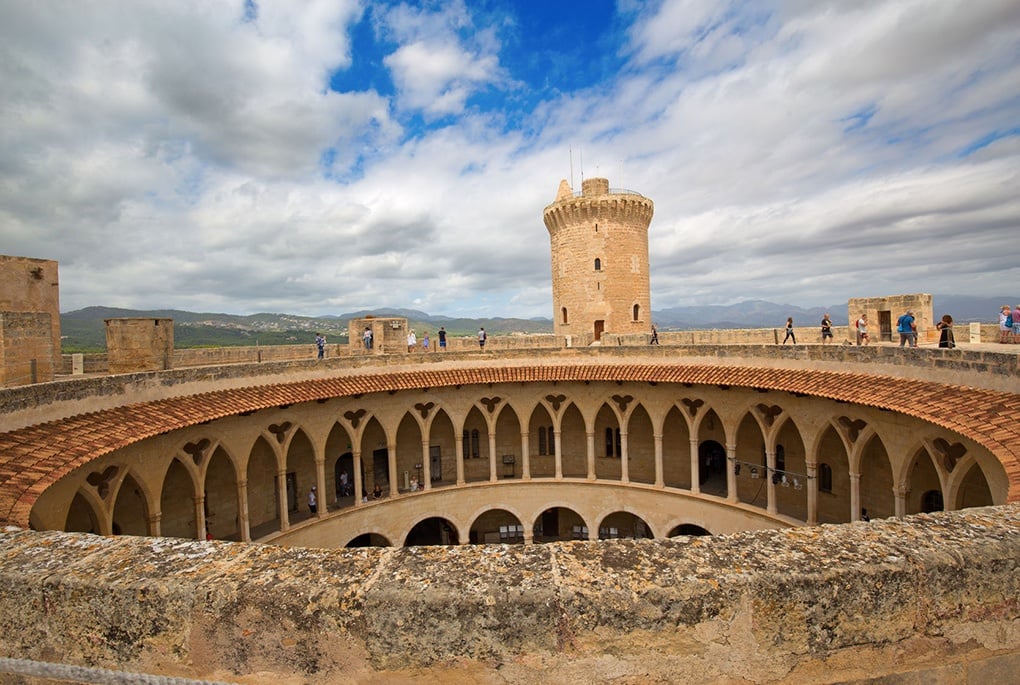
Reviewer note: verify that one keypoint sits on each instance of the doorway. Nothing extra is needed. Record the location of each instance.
(435, 462)
(600, 328)
(885, 325)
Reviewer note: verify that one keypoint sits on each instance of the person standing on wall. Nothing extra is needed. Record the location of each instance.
(826, 329)
(442, 339)
(320, 342)
(655, 336)
(946, 338)
(905, 327)
(367, 337)
(862, 330)
(481, 338)
(789, 331)
(412, 341)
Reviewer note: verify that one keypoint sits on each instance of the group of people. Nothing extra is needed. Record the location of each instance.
(426, 342)
(1009, 324)
(906, 326)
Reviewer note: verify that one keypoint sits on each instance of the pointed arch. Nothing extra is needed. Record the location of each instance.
(130, 508)
(178, 491)
(222, 510)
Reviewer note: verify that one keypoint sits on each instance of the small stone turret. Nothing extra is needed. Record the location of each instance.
(599, 245)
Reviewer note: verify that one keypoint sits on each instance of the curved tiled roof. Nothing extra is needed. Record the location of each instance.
(33, 458)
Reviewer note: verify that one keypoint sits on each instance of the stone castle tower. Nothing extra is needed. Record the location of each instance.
(599, 242)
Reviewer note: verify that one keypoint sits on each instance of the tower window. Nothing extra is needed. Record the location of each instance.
(564, 312)
(637, 312)
(598, 264)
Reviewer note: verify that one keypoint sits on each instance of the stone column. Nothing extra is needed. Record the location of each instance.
(770, 486)
(660, 481)
(590, 453)
(731, 473)
(359, 486)
(426, 465)
(320, 481)
(391, 463)
(624, 459)
(559, 455)
(812, 493)
(243, 518)
(493, 473)
(200, 517)
(459, 449)
(900, 498)
(154, 523)
(525, 456)
(281, 499)
(695, 468)
(855, 496)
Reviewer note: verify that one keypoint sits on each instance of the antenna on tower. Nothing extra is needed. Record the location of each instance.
(580, 154)
(571, 148)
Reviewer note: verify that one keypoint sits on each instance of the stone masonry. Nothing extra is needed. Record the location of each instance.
(599, 243)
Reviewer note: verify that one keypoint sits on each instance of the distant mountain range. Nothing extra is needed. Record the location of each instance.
(83, 330)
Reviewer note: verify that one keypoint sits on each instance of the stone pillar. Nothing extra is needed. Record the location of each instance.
(590, 453)
(391, 463)
(770, 486)
(731, 472)
(660, 481)
(281, 498)
(695, 467)
(460, 460)
(525, 456)
(559, 454)
(320, 481)
(359, 486)
(812, 493)
(200, 517)
(155, 523)
(243, 517)
(493, 473)
(624, 459)
(900, 499)
(426, 465)
(855, 496)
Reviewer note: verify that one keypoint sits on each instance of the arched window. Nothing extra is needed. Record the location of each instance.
(637, 312)
(474, 444)
(825, 478)
(564, 312)
(931, 501)
(598, 264)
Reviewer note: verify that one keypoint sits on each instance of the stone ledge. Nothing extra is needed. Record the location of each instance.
(933, 594)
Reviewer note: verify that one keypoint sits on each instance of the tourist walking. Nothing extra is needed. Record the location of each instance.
(442, 339)
(481, 338)
(367, 337)
(655, 336)
(1005, 323)
(425, 342)
(826, 329)
(907, 329)
(412, 341)
(1016, 324)
(320, 342)
(945, 326)
(789, 332)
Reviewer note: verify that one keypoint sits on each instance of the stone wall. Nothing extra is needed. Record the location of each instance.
(932, 598)
(29, 287)
(139, 344)
(26, 348)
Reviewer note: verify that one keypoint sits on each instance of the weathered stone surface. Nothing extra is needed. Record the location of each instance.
(932, 598)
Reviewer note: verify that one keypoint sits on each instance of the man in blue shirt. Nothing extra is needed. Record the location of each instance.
(905, 327)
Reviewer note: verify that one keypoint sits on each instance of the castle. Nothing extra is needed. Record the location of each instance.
(564, 445)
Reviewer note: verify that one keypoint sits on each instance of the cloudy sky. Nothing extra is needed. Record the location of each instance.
(324, 156)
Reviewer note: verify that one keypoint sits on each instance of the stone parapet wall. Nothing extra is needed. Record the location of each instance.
(66, 397)
(26, 348)
(932, 598)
